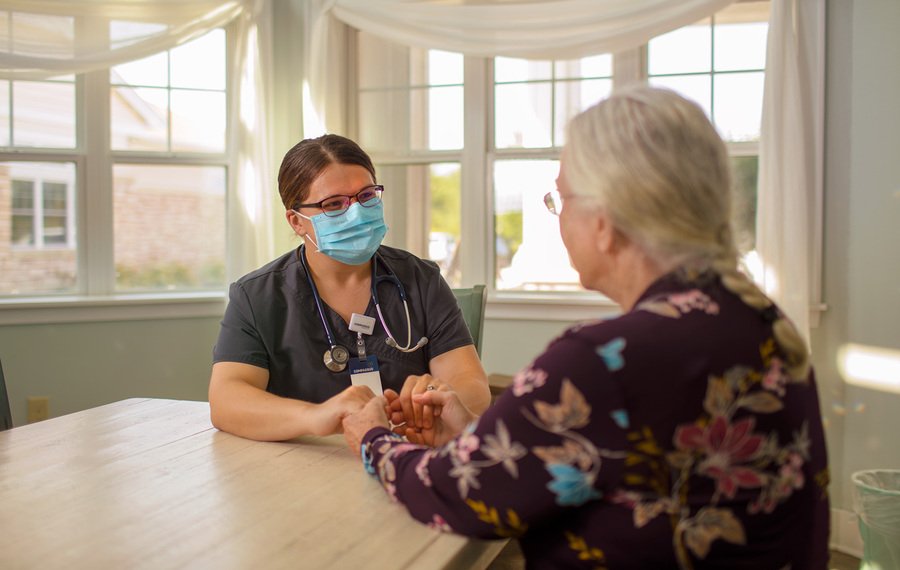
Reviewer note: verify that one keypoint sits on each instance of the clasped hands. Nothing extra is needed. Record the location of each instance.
(426, 411)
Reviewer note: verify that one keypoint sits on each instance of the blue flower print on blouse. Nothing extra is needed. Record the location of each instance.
(571, 486)
(611, 353)
(366, 453)
(620, 416)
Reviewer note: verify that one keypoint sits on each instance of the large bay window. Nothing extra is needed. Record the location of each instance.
(413, 103)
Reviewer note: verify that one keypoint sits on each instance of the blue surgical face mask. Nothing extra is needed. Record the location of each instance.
(351, 238)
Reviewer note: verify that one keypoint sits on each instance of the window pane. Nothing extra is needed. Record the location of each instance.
(530, 255)
(594, 66)
(54, 195)
(22, 232)
(198, 121)
(741, 46)
(37, 228)
(23, 194)
(745, 182)
(4, 113)
(695, 87)
(444, 233)
(151, 71)
(169, 225)
(738, 105)
(445, 118)
(740, 36)
(54, 230)
(572, 97)
(508, 69)
(139, 118)
(444, 67)
(200, 64)
(43, 114)
(685, 50)
(523, 115)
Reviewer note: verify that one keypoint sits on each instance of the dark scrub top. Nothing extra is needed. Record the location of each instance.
(669, 437)
(272, 322)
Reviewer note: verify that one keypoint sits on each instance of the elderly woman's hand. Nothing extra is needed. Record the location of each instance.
(357, 424)
(451, 416)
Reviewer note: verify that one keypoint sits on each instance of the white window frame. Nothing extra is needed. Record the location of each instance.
(95, 298)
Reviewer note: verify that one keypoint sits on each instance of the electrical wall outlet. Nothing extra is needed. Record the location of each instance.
(38, 408)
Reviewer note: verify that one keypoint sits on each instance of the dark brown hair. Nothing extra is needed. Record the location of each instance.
(309, 157)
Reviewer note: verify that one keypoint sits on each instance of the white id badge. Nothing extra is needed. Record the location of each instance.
(364, 372)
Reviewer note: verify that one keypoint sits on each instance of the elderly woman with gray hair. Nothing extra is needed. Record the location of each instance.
(685, 433)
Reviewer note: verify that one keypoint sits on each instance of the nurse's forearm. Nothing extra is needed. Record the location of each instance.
(461, 369)
(240, 406)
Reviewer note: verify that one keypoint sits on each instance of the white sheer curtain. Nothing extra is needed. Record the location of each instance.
(31, 47)
(167, 23)
(542, 29)
(250, 233)
(788, 228)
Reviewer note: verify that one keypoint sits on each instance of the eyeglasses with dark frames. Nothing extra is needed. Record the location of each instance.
(334, 206)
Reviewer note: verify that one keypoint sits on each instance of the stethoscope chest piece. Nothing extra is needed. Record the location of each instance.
(336, 358)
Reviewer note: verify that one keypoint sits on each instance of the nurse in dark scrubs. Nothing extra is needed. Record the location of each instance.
(280, 363)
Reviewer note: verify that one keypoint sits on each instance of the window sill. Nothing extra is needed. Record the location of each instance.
(572, 307)
(549, 307)
(76, 309)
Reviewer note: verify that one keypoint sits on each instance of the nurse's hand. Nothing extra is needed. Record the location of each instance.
(333, 410)
(418, 416)
(356, 425)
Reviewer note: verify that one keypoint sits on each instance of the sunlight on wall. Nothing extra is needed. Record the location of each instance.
(870, 367)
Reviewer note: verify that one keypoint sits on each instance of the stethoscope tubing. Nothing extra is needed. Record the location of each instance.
(376, 280)
(328, 334)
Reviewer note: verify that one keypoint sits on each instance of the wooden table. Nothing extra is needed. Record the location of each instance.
(147, 483)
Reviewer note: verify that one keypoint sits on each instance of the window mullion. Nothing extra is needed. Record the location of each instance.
(96, 257)
(629, 67)
(476, 252)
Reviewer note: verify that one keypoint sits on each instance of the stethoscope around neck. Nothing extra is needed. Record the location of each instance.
(337, 356)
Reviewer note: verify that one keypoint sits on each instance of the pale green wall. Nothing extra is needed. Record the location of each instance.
(82, 365)
(862, 232)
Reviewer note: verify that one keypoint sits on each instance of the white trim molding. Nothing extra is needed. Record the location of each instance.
(845, 535)
(134, 307)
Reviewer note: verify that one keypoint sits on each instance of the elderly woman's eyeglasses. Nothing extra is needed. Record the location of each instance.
(553, 202)
(334, 206)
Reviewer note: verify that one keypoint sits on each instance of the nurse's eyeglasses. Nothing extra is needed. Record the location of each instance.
(334, 206)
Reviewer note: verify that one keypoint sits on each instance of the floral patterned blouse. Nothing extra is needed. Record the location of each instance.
(669, 437)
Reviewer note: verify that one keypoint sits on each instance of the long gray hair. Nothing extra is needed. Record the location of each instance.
(658, 167)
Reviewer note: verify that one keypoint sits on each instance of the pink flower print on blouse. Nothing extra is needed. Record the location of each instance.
(525, 381)
(438, 523)
(465, 445)
(677, 304)
(775, 378)
(694, 299)
(725, 446)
